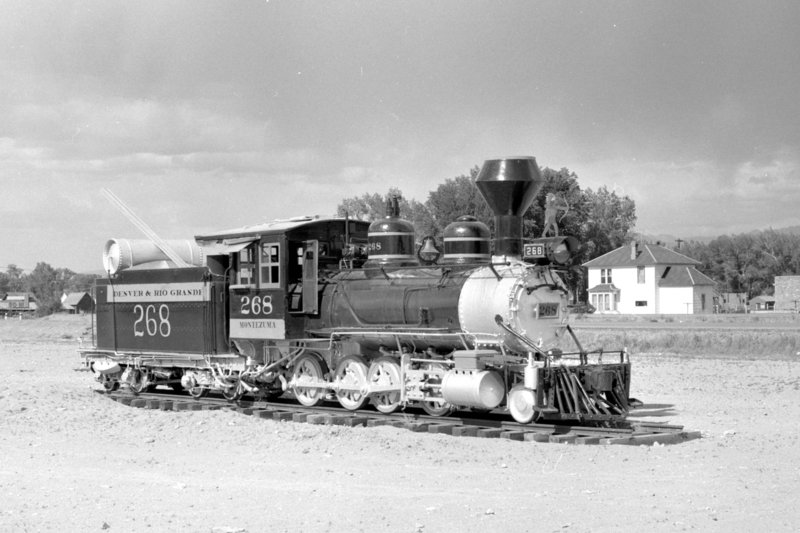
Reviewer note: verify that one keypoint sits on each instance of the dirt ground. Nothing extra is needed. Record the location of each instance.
(71, 460)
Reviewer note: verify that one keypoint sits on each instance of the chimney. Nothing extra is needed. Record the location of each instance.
(509, 186)
(634, 250)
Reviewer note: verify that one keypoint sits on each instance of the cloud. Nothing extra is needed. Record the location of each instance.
(778, 179)
(702, 197)
(11, 153)
(111, 126)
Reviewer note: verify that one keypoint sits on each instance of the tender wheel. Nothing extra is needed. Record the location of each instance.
(110, 384)
(441, 407)
(232, 394)
(352, 373)
(385, 372)
(522, 404)
(139, 382)
(308, 369)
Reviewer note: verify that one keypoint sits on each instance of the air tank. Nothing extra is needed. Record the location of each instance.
(483, 389)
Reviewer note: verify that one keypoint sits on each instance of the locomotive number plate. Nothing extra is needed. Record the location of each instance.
(548, 310)
(533, 250)
(257, 314)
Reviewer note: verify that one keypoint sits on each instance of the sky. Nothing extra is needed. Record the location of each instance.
(207, 115)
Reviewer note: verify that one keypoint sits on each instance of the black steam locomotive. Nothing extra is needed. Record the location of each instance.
(338, 308)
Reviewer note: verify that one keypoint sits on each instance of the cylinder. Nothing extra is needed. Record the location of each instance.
(531, 377)
(482, 389)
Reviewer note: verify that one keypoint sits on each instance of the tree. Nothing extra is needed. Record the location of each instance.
(365, 207)
(457, 197)
(371, 207)
(47, 285)
(14, 281)
(748, 262)
(608, 223)
(78, 282)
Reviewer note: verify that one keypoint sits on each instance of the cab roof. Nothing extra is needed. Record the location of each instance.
(275, 227)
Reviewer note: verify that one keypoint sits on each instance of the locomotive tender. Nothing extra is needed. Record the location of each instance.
(338, 308)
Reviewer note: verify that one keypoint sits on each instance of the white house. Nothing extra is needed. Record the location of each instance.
(648, 279)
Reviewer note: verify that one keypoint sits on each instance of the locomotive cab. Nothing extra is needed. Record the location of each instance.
(276, 272)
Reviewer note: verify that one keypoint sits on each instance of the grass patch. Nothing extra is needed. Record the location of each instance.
(695, 341)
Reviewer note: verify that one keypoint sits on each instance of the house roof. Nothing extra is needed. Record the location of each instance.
(74, 298)
(646, 255)
(762, 299)
(604, 287)
(684, 276)
(19, 296)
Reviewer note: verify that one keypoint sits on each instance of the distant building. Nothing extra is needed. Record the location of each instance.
(77, 302)
(762, 303)
(787, 293)
(641, 278)
(732, 302)
(17, 303)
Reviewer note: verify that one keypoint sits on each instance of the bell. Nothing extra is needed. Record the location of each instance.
(428, 252)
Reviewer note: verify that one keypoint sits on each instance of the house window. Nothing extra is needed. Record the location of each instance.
(270, 265)
(605, 301)
(640, 274)
(703, 302)
(605, 276)
(641, 303)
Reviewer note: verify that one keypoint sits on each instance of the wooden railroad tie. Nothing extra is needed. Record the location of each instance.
(639, 434)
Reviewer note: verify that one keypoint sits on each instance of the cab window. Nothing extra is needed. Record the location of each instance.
(246, 272)
(270, 257)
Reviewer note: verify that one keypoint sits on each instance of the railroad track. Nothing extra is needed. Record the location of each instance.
(483, 425)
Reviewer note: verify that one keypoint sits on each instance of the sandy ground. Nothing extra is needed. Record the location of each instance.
(71, 460)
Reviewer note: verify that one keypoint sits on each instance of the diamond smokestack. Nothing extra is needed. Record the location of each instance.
(509, 186)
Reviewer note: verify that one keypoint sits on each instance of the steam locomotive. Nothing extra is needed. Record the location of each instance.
(323, 309)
